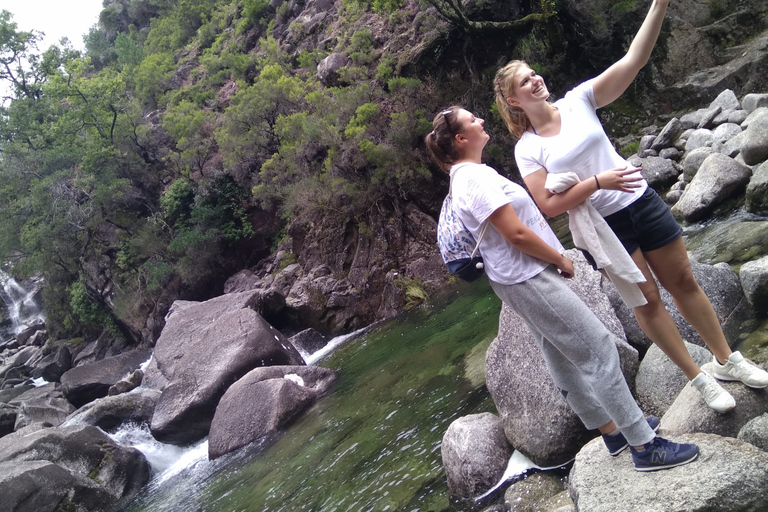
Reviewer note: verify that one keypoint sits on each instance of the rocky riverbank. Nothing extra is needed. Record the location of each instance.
(712, 157)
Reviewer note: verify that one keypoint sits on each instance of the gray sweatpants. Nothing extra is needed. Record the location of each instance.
(579, 352)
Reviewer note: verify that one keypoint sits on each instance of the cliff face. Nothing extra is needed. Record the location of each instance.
(281, 143)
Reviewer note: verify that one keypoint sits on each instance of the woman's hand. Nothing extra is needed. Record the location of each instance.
(565, 266)
(621, 178)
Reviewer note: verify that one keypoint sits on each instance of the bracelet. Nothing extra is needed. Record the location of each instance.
(597, 182)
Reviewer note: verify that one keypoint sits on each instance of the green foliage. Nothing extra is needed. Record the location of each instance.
(254, 9)
(414, 291)
(361, 46)
(629, 149)
(152, 75)
(403, 85)
(128, 52)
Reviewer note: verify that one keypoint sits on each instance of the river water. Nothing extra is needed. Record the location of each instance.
(374, 442)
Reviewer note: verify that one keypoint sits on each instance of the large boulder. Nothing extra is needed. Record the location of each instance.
(700, 138)
(752, 102)
(659, 380)
(719, 282)
(475, 454)
(690, 414)
(728, 475)
(264, 401)
(52, 409)
(53, 365)
(719, 178)
(8, 415)
(757, 191)
(89, 381)
(659, 172)
(23, 361)
(202, 351)
(110, 412)
(668, 135)
(84, 451)
(755, 432)
(754, 147)
(538, 492)
(536, 418)
(42, 486)
(754, 280)
(693, 160)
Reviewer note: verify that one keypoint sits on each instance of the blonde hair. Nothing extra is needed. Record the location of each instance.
(440, 141)
(504, 87)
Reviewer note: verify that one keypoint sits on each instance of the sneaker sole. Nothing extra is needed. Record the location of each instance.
(734, 379)
(668, 466)
(620, 450)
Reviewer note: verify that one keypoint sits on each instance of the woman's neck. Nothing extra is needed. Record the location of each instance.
(470, 158)
(544, 119)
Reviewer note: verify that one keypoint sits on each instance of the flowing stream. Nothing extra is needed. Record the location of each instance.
(373, 443)
(20, 304)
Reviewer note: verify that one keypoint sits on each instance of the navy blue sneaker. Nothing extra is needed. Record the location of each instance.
(663, 454)
(616, 443)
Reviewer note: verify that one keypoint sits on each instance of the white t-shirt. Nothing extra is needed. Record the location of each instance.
(477, 192)
(581, 147)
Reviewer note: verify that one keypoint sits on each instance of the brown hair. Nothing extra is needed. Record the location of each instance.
(440, 141)
(504, 87)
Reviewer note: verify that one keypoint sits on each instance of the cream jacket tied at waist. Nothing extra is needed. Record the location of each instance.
(591, 233)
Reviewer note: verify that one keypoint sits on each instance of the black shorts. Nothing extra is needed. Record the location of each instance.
(647, 224)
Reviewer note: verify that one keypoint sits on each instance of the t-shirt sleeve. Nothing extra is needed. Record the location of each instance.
(527, 157)
(485, 198)
(585, 93)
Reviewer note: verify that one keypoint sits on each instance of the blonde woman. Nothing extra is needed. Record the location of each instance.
(524, 262)
(566, 136)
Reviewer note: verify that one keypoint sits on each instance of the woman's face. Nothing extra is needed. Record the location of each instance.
(528, 88)
(472, 130)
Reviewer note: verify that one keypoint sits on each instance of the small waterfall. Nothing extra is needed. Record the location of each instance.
(20, 303)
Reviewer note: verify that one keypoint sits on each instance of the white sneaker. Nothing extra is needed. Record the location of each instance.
(738, 368)
(713, 394)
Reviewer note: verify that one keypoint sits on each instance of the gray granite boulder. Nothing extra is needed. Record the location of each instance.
(719, 282)
(110, 412)
(475, 454)
(728, 475)
(84, 451)
(757, 113)
(725, 132)
(752, 102)
(264, 401)
(328, 68)
(693, 160)
(690, 414)
(8, 415)
(719, 178)
(53, 365)
(756, 200)
(52, 408)
(726, 100)
(732, 147)
(754, 280)
(89, 381)
(738, 116)
(755, 432)
(658, 172)
(668, 135)
(754, 146)
(537, 420)
(201, 355)
(646, 141)
(700, 138)
(671, 154)
(42, 486)
(659, 380)
(308, 341)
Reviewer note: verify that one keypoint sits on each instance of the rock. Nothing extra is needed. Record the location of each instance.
(105, 345)
(698, 119)
(475, 454)
(153, 377)
(41, 486)
(755, 432)
(54, 365)
(7, 395)
(658, 172)
(668, 135)
(673, 196)
(85, 451)
(21, 361)
(537, 420)
(538, 492)
(50, 408)
(87, 382)
(671, 154)
(645, 143)
(735, 242)
(243, 281)
(328, 69)
(726, 100)
(110, 412)
(725, 132)
(8, 415)
(732, 147)
(693, 160)
(738, 117)
(728, 475)
(308, 341)
(262, 402)
(752, 102)
(719, 282)
(659, 380)
(27, 333)
(700, 138)
(38, 339)
(756, 200)
(760, 112)
(754, 146)
(127, 384)
(719, 178)
(690, 414)
(754, 281)
(201, 351)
